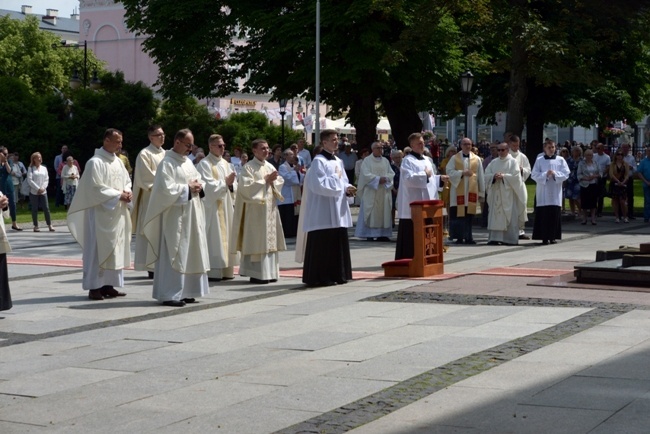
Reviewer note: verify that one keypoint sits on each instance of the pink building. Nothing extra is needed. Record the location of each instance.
(102, 25)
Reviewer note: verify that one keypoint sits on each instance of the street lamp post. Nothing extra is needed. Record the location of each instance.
(283, 111)
(75, 81)
(466, 82)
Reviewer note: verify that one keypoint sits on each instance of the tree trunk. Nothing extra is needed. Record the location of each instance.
(517, 89)
(535, 123)
(363, 116)
(403, 118)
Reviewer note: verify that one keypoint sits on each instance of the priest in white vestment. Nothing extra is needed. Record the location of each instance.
(220, 182)
(175, 228)
(506, 197)
(467, 189)
(418, 181)
(374, 189)
(100, 220)
(145, 170)
(325, 218)
(524, 170)
(549, 172)
(257, 229)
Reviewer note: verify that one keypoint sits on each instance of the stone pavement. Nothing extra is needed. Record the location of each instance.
(504, 341)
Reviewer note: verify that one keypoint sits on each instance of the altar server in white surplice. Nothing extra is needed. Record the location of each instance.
(145, 170)
(549, 172)
(175, 228)
(257, 230)
(220, 182)
(506, 197)
(325, 218)
(418, 181)
(374, 190)
(100, 220)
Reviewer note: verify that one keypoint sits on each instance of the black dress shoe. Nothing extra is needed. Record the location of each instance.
(189, 300)
(459, 241)
(553, 242)
(95, 294)
(545, 242)
(150, 274)
(370, 239)
(214, 279)
(174, 303)
(383, 239)
(110, 292)
(227, 278)
(273, 280)
(493, 243)
(524, 237)
(470, 242)
(320, 284)
(259, 281)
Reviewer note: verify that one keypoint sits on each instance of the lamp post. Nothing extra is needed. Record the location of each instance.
(75, 81)
(283, 111)
(466, 81)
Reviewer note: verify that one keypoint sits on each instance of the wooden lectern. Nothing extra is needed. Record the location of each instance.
(427, 241)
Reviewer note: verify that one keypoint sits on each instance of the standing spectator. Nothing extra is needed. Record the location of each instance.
(357, 166)
(589, 176)
(549, 172)
(396, 157)
(288, 207)
(619, 175)
(38, 179)
(70, 180)
(572, 190)
(276, 157)
(235, 160)
(603, 161)
(304, 153)
(435, 151)
(631, 162)
(299, 160)
(58, 161)
(124, 157)
(7, 185)
(18, 173)
(5, 294)
(349, 158)
(644, 175)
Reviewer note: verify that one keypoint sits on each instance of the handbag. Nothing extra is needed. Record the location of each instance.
(24, 187)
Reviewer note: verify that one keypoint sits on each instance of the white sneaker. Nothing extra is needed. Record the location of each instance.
(625, 220)
(617, 221)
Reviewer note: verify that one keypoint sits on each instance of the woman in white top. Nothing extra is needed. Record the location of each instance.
(38, 179)
(69, 180)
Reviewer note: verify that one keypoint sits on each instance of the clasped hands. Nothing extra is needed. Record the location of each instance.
(126, 196)
(195, 186)
(271, 177)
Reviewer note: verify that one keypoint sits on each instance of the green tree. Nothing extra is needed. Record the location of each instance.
(398, 56)
(179, 113)
(241, 129)
(35, 56)
(574, 62)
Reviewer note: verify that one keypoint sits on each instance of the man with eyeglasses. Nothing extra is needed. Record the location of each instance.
(220, 184)
(257, 228)
(100, 220)
(174, 227)
(145, 170)
(506, 196)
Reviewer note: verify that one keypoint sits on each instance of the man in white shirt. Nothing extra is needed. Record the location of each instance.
(304, 153)
(603, 161)
(100, 220)
(294, 176)
(631, 161)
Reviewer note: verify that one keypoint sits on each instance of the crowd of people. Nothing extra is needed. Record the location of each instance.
(196, 216)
